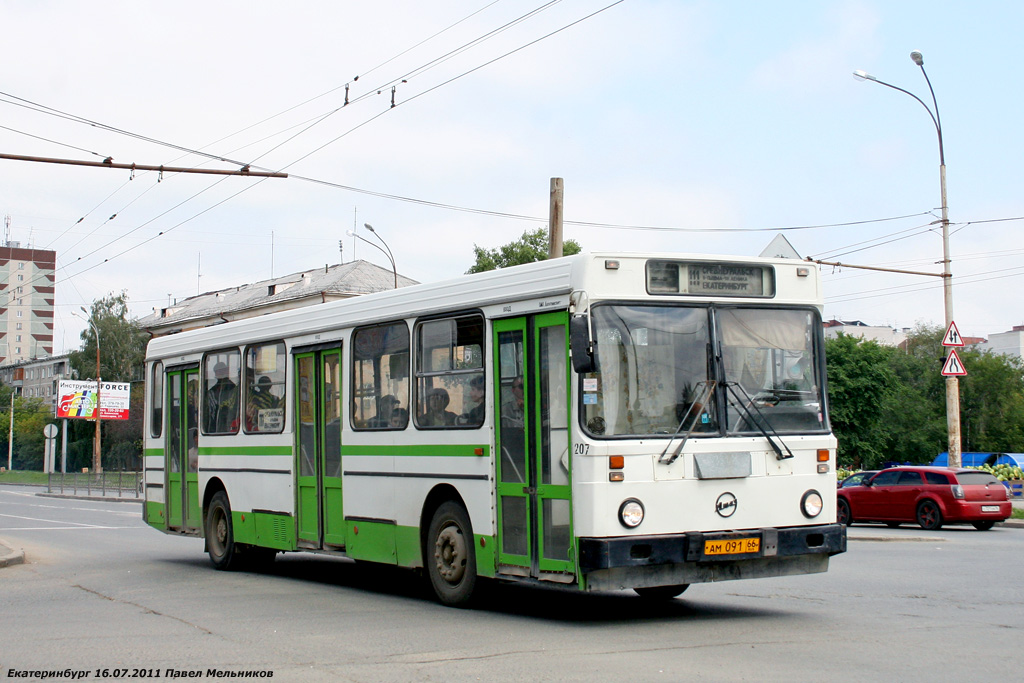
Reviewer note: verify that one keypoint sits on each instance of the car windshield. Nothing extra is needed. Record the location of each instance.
(658, 368)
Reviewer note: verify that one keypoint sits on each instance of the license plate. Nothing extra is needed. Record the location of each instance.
(990, 508)
(732, 546)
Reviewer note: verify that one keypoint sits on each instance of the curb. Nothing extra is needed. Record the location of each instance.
(10, 556)
(101, 499)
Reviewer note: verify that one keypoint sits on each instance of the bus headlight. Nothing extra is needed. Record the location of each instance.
(631, 513)
(811, 504)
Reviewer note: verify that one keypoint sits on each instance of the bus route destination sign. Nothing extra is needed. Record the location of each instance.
(78, 400)
(710, 279)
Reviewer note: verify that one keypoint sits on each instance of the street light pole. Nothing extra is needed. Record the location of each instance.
(97, 465)
(394, 270)
(391, 256)
(952, 383)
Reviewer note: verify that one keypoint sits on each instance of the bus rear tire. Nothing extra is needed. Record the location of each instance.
(220, 536)
(449, 555)
(661, 592)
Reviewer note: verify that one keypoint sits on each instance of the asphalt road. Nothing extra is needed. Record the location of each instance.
(100, 590)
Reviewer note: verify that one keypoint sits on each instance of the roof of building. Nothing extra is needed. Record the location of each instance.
(338, 281)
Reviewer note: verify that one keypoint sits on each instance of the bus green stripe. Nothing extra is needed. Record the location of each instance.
(246, 450)
(445, 450)
(459, 450)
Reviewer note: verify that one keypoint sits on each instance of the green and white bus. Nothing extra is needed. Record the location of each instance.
(601, 421)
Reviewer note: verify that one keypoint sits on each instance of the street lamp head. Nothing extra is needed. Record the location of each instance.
(369, 227)
(83, 310)
(917, 57)
(863, 76)
(350, 233)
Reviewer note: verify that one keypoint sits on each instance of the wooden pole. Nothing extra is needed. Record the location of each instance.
(555, 219)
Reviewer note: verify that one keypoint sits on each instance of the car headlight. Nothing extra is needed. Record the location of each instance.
(631, 513)
(811, 504)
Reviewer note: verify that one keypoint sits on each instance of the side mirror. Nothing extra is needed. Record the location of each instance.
(579, 343)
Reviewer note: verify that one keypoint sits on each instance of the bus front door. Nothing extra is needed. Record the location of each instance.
(531, 385)
(182, 451)
(320, 519)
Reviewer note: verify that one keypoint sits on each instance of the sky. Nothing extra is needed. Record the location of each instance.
(699, 127)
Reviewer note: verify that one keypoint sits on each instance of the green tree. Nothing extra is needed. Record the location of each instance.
(122, 342)
(30, 416)
(532, 246)
(860, 386)
(890, 404)
(122, 347)
(992, 403)
(915, 425)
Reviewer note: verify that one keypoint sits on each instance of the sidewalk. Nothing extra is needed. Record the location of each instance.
(10, 556)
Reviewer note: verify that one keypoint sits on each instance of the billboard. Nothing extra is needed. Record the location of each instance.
(78, 399)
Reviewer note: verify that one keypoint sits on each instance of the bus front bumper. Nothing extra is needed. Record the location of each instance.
(694, 557)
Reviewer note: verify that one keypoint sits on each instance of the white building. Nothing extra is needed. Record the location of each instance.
(887, 336)
(26, 302)
(1006, 343)
(268, 296)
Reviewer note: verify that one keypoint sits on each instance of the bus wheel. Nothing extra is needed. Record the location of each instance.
(220, 537)
(661, 592)
(450, 556)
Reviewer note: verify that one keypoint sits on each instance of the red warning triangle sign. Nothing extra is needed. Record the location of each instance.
(953, 367)
(952, 336)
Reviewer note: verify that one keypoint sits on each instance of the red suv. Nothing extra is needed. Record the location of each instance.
(930, 496)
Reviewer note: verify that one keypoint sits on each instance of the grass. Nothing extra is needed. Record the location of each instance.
(1018, 513)
(22, 477)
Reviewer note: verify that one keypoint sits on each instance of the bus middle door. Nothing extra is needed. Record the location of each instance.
(531, 383)
(318, 449)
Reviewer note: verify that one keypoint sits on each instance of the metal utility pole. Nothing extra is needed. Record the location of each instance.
(97, 465)
(952, 383)
(10, 436)
(555, 218)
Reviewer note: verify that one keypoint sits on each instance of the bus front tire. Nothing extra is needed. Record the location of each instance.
(220, 536)
(450, 557)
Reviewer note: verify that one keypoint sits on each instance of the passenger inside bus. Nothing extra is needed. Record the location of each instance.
(437, 414)
(222, 402)
(512, 409)
(384, 419)
(475, 415)
(399, 418)
(260, 398)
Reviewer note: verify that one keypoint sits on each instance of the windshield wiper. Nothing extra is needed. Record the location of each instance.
(759, 420)
(699, 402)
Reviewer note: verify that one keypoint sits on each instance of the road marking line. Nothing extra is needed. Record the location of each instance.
(54, 521)
(64, 528)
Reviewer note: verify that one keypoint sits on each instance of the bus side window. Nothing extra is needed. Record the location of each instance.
(450, 384)
(156, 416)
(222, 374)
(380, 377)
(264, 388)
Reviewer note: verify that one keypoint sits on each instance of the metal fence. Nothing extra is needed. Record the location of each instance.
(113, 484)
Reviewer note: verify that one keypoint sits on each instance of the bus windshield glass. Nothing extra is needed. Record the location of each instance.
(657, 371)
(770, 369)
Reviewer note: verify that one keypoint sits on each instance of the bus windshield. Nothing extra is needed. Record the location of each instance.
(656, 365)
